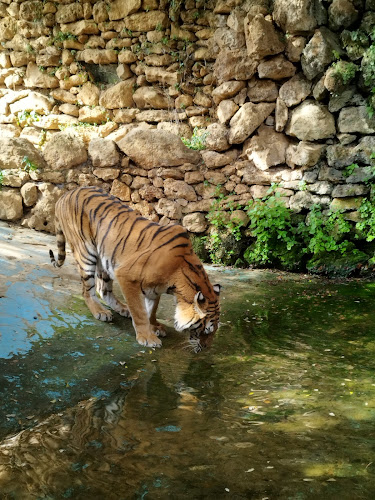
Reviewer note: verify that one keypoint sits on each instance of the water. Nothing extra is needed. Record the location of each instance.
(281, 407)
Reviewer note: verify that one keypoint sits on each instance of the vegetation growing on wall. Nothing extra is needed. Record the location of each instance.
(322, 241)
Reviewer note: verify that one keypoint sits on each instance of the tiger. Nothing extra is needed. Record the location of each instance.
(109, 240)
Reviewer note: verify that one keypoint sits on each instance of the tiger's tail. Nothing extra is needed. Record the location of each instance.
(60, 238)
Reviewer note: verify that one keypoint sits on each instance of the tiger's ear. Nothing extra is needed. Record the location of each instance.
(199, 298)
(217, 289)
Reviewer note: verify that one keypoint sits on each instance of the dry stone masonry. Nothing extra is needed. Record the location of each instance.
(99, 93)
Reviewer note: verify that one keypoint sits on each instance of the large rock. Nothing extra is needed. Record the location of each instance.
(156, 148)
(298, 16)
(97, 56)
(356, 119)
(64, 96)
(341, 14)
(217, 137)
(319, 52)
(151, 98)
(340, 156)
(103, 153)
(64, 150)
(42, 215)
(10, 204)
(262, 90)
(311, 121)
(147, 21)
(36, 78)
(33, 102)
(118, 9)
(251, 175)
(227, 90)
(97, 114)
(226, 110)
(305, 154)
(247, 119)
(169, 208)
(175, 190)
(88, 94)
(303, 200)
(226, 38)
(234, 65)
(195, 222)
(78, 28)
(29, 8)
(161, 75)
(276, 68)
(212, 159)
(29, 193)
(261, 38)
(8, 28)
(266, 149)
(69, 13)
(295, 90)
(121, 190)
(118, 96)
(14, 150)
(349, 190)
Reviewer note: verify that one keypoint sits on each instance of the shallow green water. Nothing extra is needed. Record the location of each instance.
(282, 406)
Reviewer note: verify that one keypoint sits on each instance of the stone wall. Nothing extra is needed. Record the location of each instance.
(99, 92)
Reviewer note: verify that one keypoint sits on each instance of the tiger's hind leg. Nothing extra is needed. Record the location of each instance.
(104, 285)
(87, 272)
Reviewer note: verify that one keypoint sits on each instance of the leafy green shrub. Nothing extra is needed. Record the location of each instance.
(322, 241)
(366, 223)
(225, 242)
(274, 230)
(197, 140)
(325, 231)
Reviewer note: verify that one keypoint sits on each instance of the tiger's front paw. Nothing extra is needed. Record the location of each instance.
(104, 316)
(159, 330)
(150, 340)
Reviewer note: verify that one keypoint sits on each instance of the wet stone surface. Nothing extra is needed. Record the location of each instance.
(282, 405)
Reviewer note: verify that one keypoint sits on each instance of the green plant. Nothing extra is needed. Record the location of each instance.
(29, 165)
(325, 231)
(273, 229)
(62, 36)
(225, 241)
(344, 71)
(27, 117)
(1, 179)
(366, 224)
(349, 170)
(197, 140)
(42, 138)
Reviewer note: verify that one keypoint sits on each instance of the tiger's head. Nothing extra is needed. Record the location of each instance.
(200, 318)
